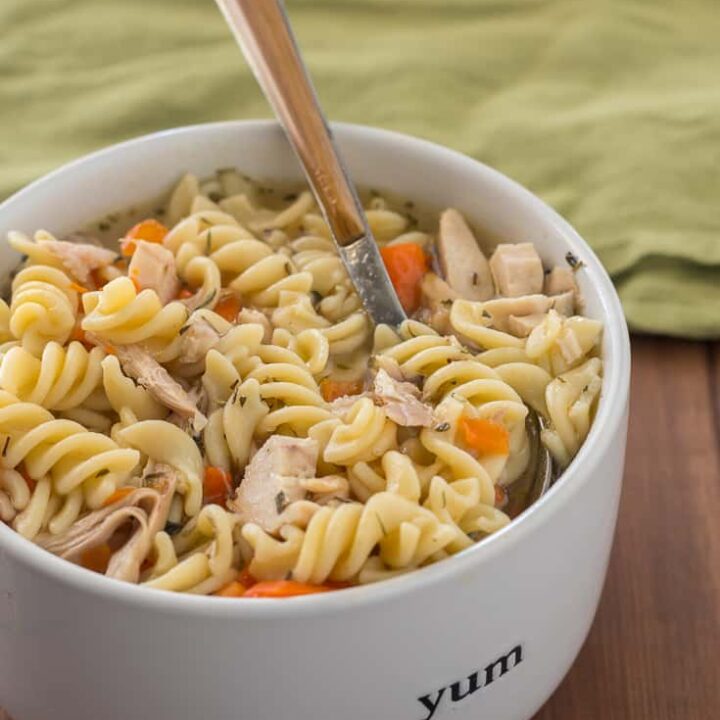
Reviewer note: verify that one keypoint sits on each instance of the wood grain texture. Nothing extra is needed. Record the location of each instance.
(654, 650)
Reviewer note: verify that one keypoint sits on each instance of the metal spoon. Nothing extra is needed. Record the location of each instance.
(538, 477)
(263, 32)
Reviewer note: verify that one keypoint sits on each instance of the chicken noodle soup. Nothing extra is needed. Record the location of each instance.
(203, 406)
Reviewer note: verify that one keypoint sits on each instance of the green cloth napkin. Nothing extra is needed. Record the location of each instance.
(608, 109)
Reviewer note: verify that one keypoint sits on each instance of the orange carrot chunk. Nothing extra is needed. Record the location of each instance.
(233, 589)
(228, 308)
(127, 248)
(96, 558)
(118, 495)
(406, 264)
(333, 389)
(216, 485)
(245, 578)
(185, 293)
(485, 436)
(283, 588)
(149, 230)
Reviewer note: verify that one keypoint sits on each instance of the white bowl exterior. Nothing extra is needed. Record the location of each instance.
(83, 647)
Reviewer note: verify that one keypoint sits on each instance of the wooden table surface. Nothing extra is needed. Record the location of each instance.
(654, 650)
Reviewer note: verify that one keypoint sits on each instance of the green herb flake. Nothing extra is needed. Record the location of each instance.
(442, 427)
(281, 502)
(573, 261)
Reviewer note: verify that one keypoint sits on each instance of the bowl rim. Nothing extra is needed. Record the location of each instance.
(608, 421)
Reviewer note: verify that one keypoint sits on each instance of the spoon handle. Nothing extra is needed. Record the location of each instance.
(264, 34)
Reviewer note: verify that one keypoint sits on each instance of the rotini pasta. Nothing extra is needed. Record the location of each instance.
(207, 407)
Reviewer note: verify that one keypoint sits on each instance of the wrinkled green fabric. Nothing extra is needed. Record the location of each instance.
(608, 109)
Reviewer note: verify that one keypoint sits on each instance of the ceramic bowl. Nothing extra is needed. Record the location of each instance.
(488, 633)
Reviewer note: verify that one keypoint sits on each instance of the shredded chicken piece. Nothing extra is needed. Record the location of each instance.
(139, 364)
(272, 480)
(559, 280)
(249, 315)
(144, 511)
(80, 259)
(339, 406)
(501, 309)
(392, 368)
(564, 303)
(437, 298)
(153, 266)
(401, 401)
(517, 269)
(463, 263)
(198, 337)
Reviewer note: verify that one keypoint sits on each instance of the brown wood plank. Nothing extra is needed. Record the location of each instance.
(654, 650)
(714, 361)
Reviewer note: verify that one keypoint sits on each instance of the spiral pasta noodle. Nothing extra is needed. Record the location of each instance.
(43, 308)
(63, 378)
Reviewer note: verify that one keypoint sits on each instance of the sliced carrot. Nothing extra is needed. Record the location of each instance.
(233, 589)
(127, 248)
(96, 558)
(246, 579)
(485, 436)
(185, 293)
(118, 495)
(333, 389)
(30, 482)
(284, 588)
(216, 485)
(228, 307)
(406, 264)
(149, 230)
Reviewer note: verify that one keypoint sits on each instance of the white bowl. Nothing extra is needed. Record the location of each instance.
(488, 633)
